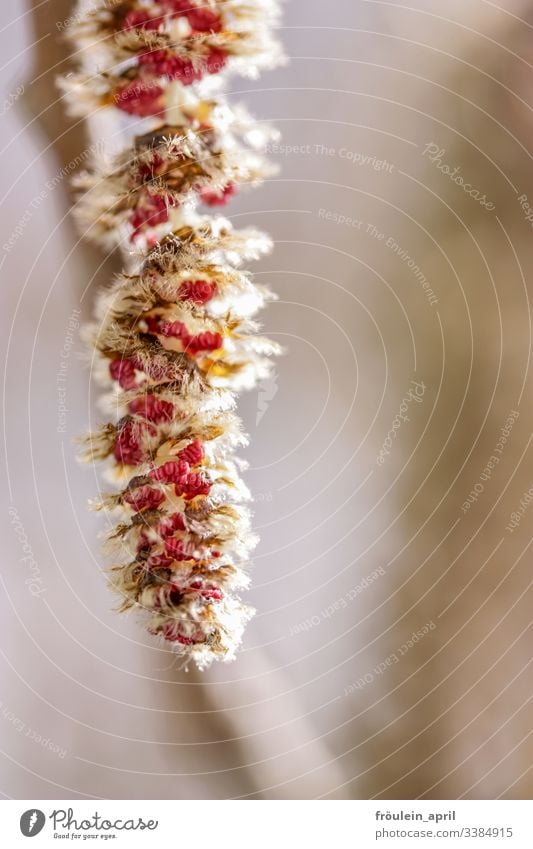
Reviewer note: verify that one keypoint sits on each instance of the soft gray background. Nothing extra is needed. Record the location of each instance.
(452, 717)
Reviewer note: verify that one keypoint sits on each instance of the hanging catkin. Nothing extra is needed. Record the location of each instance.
(174, 336)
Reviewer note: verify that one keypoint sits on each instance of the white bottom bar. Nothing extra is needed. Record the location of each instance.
(268, 824)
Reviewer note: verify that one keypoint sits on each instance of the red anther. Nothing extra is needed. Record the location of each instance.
(219, 198)
(206, 341)
(123, 371)
(144, 497)
(146, 171)
(180, 549)
(172, 633)
(177, 7)
(153, 322)
(153, 57)
(193, 485)
(158, 561)
(170, 524)
(184, 71)
(152, 408)
(140, 97)
(164, 63)
(140, 18)
(151, 210)
(199, 291)
(192, 453)
(208, 591)
(128, 447)
(176, 329)
(215, 61)
(174, 471)
(143, 543)
(204, 20)
(212, 593)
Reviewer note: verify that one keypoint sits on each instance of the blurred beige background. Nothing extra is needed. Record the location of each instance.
(331, 697)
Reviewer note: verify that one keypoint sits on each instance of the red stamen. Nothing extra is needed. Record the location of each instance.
(140, 97)
(218, 198)
(170, 524)
(151, 210)
(140, 18)
(199, 291)
(158, 561)
(152, 408)
(174, 471)
(180, 549)
(204, 20)
(193, 453)
(123, 371)
(206, 341)
(193, 485)
(128, 447)
(144, 497)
